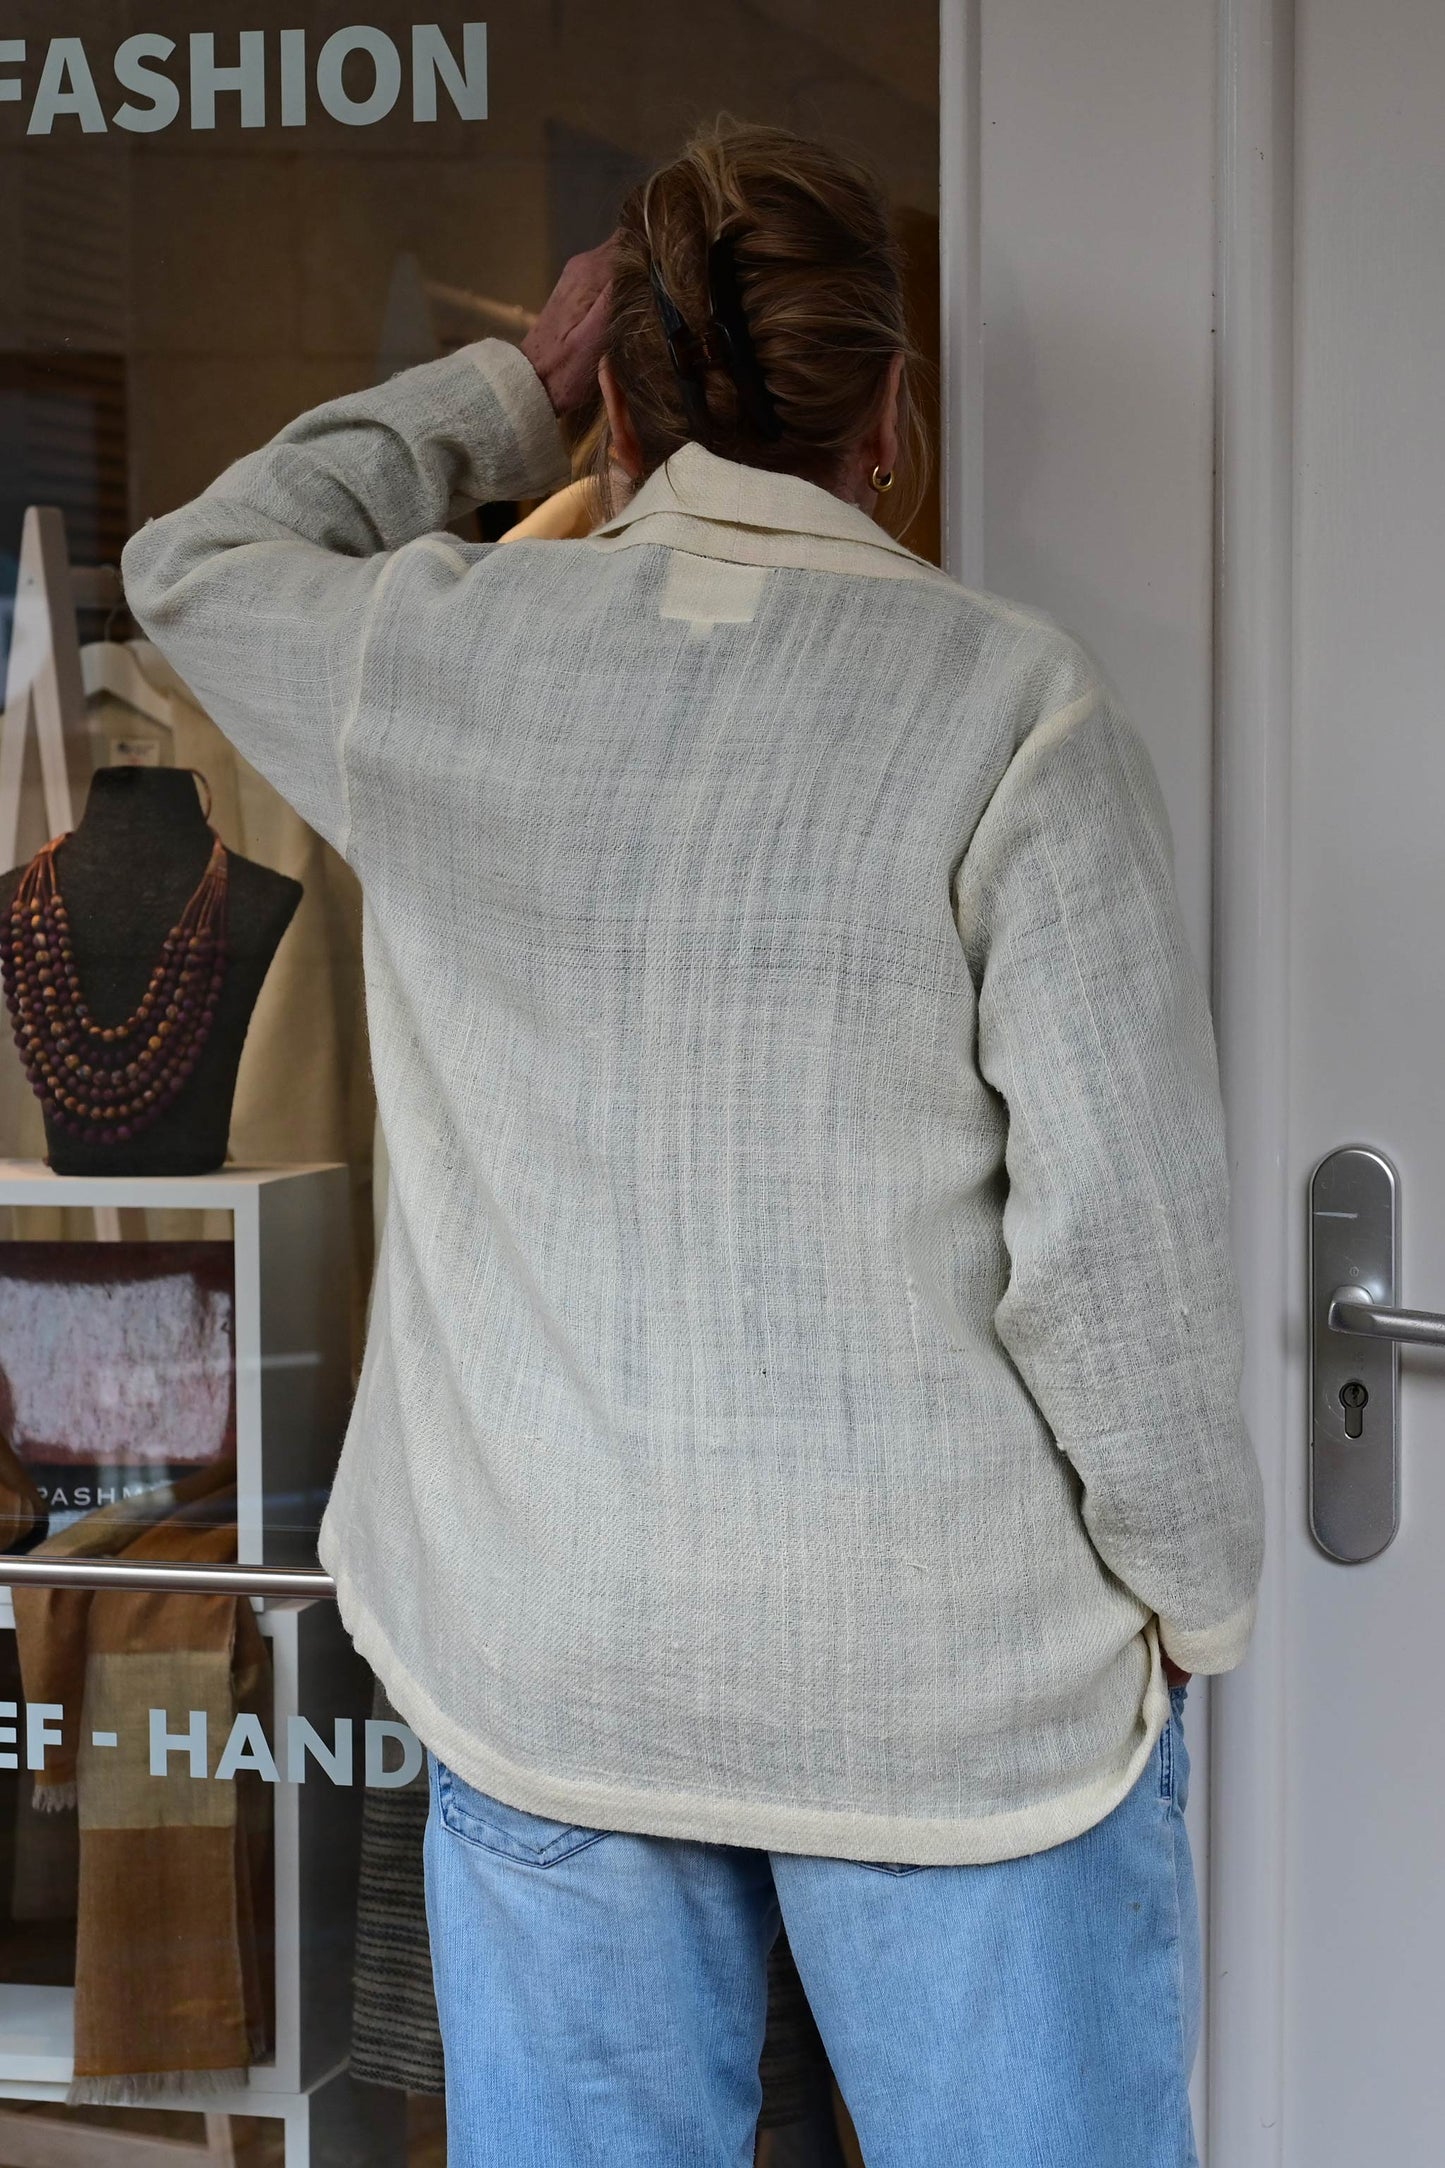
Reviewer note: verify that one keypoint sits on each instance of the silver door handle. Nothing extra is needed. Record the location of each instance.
(1355, 1332)
(1354, 1464)
(1353, 1309)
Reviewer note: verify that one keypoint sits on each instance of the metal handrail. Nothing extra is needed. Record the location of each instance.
(306, 1581)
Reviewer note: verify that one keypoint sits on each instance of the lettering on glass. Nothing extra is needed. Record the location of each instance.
(258, 78)
(183, 1743)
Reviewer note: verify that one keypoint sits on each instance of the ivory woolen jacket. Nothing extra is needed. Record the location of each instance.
(802, 1381)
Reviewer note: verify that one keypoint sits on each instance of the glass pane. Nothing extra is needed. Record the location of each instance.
(213, 218)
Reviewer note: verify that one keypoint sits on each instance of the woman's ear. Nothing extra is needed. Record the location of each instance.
(887, 444)
(626, 449)
(878, 451)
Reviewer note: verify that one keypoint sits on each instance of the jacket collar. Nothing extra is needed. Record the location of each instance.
(696, 490)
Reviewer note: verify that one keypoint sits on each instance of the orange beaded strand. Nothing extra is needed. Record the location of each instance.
(104, 1082)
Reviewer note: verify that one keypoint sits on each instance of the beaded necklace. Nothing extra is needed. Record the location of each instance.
(104, 1082)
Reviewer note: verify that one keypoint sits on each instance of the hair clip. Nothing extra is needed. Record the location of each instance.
(685, 350)
(729, 322)
(726, 343)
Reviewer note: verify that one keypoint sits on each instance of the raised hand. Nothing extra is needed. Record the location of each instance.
(565, 343)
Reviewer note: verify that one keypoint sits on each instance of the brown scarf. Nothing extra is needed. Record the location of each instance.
(173, 1957)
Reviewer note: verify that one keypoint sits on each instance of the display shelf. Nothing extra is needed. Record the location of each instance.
(292, 1269)
(338, 2123)
(31, 1182)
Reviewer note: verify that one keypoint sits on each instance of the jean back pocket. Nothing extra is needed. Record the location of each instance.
(533, 1840)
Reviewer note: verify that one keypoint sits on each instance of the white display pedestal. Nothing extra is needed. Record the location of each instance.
(292, 1386)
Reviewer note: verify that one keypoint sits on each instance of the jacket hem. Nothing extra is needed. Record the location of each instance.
(760, 1824)
(1210, 1648)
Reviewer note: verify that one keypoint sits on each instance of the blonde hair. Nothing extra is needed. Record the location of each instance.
(819, 273)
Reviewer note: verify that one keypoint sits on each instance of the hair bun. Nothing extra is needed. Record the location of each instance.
(757, 309)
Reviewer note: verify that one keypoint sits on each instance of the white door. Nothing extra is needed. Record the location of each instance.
(1338, 1747)
(1197, 315)
(1328, 1881)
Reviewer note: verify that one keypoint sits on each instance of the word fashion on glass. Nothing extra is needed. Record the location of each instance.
(273, 79)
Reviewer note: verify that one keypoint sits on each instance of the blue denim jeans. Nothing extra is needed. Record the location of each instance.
(602, 1995)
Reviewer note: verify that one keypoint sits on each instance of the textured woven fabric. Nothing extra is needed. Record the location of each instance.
(395, 2037)
(802, 1379)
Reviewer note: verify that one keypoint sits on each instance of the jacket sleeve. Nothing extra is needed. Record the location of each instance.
(1122, 1309)
(265, 591)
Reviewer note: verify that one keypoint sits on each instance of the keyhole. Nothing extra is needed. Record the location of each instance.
(1352, 1399)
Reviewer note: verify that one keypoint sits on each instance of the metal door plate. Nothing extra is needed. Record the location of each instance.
(1353, 1242)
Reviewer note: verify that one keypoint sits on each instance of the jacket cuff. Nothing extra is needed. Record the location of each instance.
(1210, 1648)
(541, 461)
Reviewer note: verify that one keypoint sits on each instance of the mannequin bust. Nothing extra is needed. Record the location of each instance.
(126, 872)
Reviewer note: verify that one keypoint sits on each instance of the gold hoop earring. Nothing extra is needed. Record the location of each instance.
(882, 482)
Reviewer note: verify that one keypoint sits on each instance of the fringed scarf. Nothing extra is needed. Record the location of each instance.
(173, 1945)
